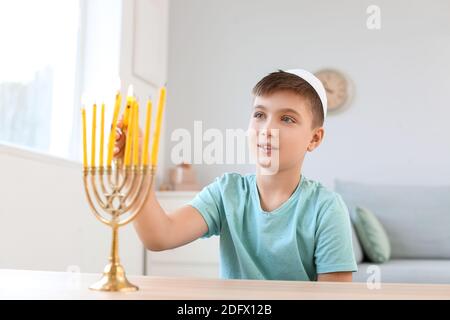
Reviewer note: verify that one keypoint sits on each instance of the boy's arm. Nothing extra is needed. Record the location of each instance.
(157, 229)
(334, 256)
(160, 231)
(335, 277)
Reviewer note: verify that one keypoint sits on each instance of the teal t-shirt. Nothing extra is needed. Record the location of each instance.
(310, 233)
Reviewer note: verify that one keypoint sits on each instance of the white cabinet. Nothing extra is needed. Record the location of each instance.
(199, 258)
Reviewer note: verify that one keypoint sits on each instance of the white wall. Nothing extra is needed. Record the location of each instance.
(395, 131)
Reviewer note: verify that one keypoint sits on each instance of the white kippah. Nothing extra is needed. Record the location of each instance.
(315, 83)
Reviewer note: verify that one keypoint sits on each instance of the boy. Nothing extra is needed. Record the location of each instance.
(275, 224)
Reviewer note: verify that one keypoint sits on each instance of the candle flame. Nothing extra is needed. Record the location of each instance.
(118, 83)
(130, 90)
(84, 99)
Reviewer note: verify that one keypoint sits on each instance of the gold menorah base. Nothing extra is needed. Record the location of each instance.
(130, 193)
(114, 280)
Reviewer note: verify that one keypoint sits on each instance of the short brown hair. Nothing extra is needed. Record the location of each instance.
(281, 80)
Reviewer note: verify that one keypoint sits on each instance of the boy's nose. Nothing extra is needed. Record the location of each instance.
(265, 132)
(269, 132)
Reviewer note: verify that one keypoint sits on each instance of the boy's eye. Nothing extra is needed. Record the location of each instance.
(287, 119)
(258, 115)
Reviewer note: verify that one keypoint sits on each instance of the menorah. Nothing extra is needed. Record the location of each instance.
(117, 192)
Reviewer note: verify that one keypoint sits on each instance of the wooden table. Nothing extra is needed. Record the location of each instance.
(21, 284)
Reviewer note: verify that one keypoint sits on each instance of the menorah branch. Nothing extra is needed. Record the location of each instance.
(141, 198)
(89, 199)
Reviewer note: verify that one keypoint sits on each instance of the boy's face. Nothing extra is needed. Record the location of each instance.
(280, 131)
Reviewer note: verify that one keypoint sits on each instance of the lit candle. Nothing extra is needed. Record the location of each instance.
(83, 117)
(112, 135)
(155, 147)
(94, 119)
(130, 99)
(129, 139)
(147, 132)
(102, 134)
(135, 133)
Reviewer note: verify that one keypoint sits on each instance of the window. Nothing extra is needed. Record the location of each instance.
(52, 51)
(38, 60)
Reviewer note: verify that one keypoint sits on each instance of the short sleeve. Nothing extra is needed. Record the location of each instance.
(209, 203)
(333, 241)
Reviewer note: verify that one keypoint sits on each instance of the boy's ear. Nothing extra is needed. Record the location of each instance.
(316, 138)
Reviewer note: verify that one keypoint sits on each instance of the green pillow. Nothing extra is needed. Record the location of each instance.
(372, 236)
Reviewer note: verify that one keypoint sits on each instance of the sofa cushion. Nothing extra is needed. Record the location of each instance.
(407, 271)
(416, 218)
(357, 250)
(374, 239)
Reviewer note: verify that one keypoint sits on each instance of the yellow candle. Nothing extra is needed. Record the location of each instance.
(129, 105)
(155, 147)
(136, 133)
(147, 132)
(83, 117)
(94, 119)
(112, 135)
(129, 139)
(126, 114)
(102, 134)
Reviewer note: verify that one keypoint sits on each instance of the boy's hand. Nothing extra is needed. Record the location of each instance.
(121, 138)
(119, 145)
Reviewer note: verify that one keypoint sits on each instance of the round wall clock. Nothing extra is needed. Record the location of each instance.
(337, 86)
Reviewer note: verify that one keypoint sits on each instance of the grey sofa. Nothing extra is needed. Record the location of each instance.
(417, 222)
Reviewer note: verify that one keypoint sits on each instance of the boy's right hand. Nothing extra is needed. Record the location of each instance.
(119, 145)
(121, 139)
